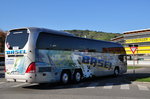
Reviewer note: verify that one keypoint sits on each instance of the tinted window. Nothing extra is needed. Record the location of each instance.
(17, 38)
(60, 42)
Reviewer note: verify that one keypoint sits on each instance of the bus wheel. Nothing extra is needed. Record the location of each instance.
(65, 77)
(77, 76)
(116, 71)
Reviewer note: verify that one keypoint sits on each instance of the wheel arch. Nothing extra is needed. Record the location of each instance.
(78, 70)
(117, 67)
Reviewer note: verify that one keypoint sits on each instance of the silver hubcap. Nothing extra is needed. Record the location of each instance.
(116, 72)
(78, 76)
(65, 78)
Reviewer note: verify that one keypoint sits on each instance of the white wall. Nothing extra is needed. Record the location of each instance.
(139, 63)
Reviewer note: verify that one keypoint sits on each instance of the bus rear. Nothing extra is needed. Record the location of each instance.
(19, 66)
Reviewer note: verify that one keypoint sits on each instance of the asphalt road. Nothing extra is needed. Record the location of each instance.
(122, 87)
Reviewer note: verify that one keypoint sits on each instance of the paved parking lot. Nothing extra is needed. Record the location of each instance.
(102, 87)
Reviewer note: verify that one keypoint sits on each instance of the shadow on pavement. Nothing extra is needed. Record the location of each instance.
(120, 80)
(127, 78)
(133, 77)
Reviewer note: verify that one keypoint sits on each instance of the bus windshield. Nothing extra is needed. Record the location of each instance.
(17, 38)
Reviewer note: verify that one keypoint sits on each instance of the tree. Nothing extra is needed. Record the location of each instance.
(99, 35)
(2, 40)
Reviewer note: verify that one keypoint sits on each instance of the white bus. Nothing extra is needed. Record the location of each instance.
(38, 55)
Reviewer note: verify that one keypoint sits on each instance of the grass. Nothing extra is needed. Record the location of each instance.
(131, 67)
(144, 79)
(139, 79)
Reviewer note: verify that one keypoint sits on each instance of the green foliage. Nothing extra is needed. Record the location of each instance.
(99, 35)
(131, 67)
(144, 79)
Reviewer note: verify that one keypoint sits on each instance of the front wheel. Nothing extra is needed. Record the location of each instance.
(116, 71)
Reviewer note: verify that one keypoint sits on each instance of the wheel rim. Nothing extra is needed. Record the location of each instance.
(65, 78)
(116, 71)
(78, 76)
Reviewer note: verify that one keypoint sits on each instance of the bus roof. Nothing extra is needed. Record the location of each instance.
(33, 29)
(36, 29)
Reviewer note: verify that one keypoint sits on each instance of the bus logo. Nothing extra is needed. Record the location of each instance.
(96, 62)
(16, 52)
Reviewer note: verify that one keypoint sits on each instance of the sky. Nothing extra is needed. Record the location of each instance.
(116, 16)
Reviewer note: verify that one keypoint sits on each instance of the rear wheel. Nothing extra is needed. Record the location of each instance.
(65, 77)
(77, 76)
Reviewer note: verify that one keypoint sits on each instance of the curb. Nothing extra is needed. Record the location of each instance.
(137, 82)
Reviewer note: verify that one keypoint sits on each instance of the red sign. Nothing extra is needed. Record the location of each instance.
(133, 49)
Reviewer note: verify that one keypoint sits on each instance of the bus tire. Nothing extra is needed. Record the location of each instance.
(65, 77)
(116, 71)
(77, 76)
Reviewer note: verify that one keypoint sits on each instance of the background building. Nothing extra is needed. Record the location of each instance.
(119, 39)
(140, 38)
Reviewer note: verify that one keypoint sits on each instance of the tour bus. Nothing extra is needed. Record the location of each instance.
(39, 55)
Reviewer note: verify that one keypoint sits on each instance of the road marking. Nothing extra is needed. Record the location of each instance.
(2, 83)
(141, 87)
(22, 84)
(125, 87)
(108, 86)
(34, 84)
(92, 85)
